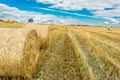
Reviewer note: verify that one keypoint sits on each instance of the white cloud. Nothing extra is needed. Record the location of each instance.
(108, 13)
(65, 12)
(13, 13)
(112, 21)
(106, 22)
(79, 4)
(96, 7)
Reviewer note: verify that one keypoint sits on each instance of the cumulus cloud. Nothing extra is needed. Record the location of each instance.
(96, 7)
(7, 12)
(79, 4)
(108, 13)
(112, 21)
(65, 12)
(18, 15)
(106, 22)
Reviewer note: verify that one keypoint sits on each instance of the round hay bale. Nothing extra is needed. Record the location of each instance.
(19, 52)
(6, 21)
(11, 21)
(43, 34)
(109, 28)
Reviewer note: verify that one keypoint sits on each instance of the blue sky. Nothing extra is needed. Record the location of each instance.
(83, 12)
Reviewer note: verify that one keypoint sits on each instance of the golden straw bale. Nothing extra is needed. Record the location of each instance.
(43, 34)
(6, 21)
(11, 21)
(19, 52)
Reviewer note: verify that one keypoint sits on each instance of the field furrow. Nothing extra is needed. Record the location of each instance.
(68, 64)
(93, 69)
(109, 66)
(107, 46)
(52, 63)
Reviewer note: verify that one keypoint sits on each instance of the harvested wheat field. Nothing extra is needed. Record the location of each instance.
(53, 52)
(10, 25)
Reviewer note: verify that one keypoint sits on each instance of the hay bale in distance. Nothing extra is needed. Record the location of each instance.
(109, 28)
(19, 52)
(6, 21)
(9, 21)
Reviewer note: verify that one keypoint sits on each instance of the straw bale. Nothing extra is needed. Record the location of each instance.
(19, 52)
(43, 34)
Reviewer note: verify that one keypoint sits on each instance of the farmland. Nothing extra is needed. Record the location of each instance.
(10, 25)
(69, 53)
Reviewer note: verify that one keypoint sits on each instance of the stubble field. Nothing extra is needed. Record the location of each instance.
(60, 53)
